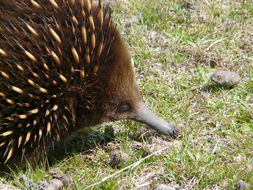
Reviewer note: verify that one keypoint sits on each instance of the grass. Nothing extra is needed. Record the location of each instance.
(175, 45)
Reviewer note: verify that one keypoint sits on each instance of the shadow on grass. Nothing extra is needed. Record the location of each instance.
(81, 142)
(209, 88)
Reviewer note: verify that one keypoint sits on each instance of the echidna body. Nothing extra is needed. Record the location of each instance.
(63, 66)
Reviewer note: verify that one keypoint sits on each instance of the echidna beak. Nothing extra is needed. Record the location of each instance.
(144, 115)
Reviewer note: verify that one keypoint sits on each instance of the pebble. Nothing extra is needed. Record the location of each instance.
(42, 185)
(7, 187)
(28, 182)
(226, 79)
(242, 185)
(164, 187)
(54, 184)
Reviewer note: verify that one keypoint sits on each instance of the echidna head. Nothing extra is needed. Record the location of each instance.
(119, 98)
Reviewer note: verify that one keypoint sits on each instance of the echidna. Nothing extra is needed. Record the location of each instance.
(63, 66)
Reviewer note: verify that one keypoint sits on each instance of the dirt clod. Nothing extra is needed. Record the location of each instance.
(117, 158)
(58, 174)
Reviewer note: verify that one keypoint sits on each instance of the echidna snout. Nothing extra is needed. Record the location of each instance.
(144, 115)
(63, 67)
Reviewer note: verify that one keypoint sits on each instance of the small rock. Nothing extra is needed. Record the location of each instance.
(54, 184)
(28, 182)
(8, 187)
(242, 185)
(145, 186)
(42, 185)
(164, 187)
(226, 79)
(117, 158)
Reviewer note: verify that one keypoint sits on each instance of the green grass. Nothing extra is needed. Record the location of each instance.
(176, 45)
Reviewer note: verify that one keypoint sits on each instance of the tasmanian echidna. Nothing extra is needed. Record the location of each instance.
(63, 66)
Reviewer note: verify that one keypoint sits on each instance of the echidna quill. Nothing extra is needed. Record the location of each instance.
(63, 67)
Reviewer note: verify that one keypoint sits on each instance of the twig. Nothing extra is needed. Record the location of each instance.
(126, 168)
(217, 41)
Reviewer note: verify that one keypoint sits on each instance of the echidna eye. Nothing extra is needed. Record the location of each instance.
(123, 107)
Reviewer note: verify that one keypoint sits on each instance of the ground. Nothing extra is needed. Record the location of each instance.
(175, 45)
